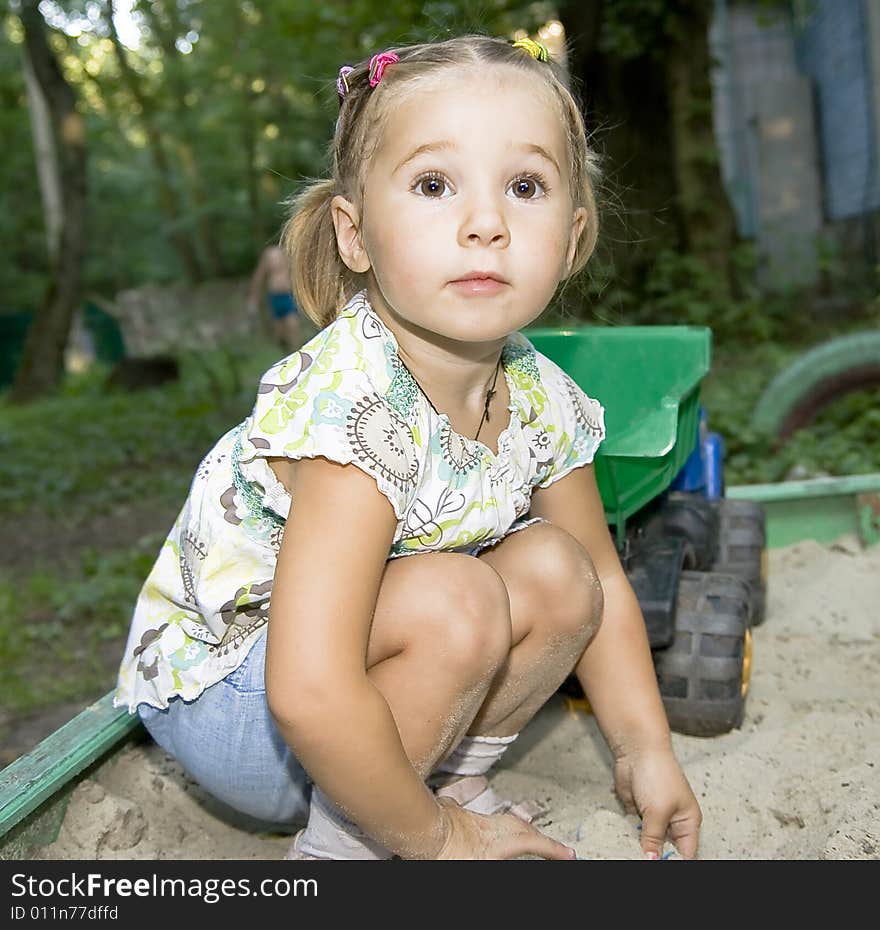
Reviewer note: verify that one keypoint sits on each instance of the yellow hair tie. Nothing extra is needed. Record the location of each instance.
(535, 49)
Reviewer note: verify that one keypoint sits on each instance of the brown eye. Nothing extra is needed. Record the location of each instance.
(431, 186)
(527, 188)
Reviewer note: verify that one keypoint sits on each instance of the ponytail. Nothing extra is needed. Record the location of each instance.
(321, 281)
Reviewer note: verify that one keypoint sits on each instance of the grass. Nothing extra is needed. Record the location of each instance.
(90, 479)
(59, 633)
(90, 449)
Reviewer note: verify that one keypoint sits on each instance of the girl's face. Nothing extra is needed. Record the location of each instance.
(467, 224)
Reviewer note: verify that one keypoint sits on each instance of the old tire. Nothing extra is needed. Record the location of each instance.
(816, 379)
(742, 550)
(703, 675)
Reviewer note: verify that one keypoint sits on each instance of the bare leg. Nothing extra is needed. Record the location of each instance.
(441, 631)
(290, 334)
(447, 656)
(556, 607)
(478, 645)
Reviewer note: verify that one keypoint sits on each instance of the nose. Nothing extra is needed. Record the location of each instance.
(484, 222)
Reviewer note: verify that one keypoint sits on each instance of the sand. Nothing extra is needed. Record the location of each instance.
(799, 780)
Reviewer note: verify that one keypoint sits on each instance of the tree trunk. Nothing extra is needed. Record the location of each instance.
(627, 117)
(42, 363)
(167, 197)
(46, 158)
(651, 115)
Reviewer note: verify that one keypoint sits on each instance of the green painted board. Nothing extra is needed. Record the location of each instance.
(33, 778)
(822, 509)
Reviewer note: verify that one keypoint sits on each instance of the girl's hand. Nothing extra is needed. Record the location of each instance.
(650, 783)
(494, 836)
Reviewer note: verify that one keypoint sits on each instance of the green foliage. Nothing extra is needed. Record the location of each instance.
(90, 450)
(631, 28)
(842, 440)
(679, 288)
(24, 266)
(58, 634)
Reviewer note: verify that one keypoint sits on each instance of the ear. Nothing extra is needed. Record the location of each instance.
(578, 222)
(346, 222)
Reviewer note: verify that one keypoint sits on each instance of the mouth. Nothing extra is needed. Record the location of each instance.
(480, 276)
(479, 284)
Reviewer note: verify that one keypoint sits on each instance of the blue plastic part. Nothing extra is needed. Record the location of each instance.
(714, 458)
(703, 472)
(692, 477)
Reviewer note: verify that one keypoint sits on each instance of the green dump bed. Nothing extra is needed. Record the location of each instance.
(648, 379)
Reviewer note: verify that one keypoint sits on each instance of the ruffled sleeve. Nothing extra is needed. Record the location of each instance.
(574, 425)
(308, 406)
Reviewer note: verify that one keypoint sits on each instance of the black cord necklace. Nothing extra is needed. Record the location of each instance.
(490, 393)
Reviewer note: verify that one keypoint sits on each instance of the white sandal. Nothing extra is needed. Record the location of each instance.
(294, 852)
(474, 793)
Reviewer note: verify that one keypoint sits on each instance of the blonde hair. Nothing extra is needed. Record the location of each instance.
(322, 282)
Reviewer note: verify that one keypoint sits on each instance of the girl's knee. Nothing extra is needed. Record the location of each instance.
(565, 589)
(467, 613)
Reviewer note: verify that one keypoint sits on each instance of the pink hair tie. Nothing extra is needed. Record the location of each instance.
(342, 81)
(378, 64)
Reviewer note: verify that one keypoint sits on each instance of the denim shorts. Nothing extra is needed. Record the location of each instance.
(227, 741)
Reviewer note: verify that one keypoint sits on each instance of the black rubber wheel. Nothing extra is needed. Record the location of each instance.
(692, 518)
(742, 551)
(703, 675)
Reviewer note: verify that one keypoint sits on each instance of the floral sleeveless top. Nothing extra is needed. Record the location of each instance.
(346, 396)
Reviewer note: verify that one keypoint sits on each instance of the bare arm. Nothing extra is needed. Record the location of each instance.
(337, 722)
(258, 281)
(617, 674)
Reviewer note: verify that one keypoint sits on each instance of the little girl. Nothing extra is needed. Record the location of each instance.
(381, 575)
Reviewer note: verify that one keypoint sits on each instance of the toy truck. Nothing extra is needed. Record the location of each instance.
(695, 558)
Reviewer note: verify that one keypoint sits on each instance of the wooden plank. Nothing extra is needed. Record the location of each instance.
(846, 485)
(822, 509)
(31, 779)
